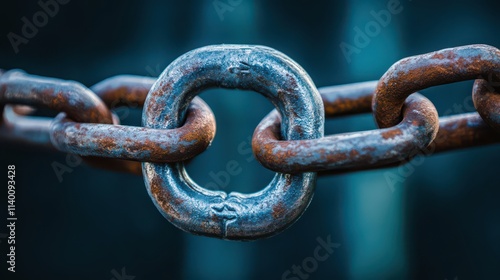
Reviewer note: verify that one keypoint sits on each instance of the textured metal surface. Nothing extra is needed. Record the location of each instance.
(463, 131)
(178, 126)
(216, 213)
(17, 87)
(416, 73)
(138, 143)
(16, 127)
(358, 151)
(85, 137)
(77, 101)
(455, 132)
(486, 96)
(124, 90)
(349, 99)
(417, 129)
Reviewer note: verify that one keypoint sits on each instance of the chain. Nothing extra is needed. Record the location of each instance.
(178, 126)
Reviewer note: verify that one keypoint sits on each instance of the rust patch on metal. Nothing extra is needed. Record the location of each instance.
(392, 133)
(353, 153)
(163, 197)
(278, 210)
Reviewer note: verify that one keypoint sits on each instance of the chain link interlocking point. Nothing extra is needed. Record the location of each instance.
(177, 126)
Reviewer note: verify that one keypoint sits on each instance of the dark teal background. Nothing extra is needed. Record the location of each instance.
(442, 223)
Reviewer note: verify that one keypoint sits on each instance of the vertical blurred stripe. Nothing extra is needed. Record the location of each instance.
(208, 258)
(374, 225)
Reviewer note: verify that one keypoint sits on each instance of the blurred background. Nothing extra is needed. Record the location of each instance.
(440, 223)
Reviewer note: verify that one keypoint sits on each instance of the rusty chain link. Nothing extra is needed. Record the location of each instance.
(455, 132)
(177, 126)
(100, 136)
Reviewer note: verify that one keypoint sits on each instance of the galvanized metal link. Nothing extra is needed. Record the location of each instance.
(215, 213)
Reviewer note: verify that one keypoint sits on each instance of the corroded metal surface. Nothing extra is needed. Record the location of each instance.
(178, 126)
(349, 99)
(16, 127)
(216, 213)
(17, 87)
(416, 73)
(417, 129)
(77, 101)
(486, 96)
(124, 90)
(368, 149)
(138, 143)
(463, 131)
(90, 130)
(455, 132)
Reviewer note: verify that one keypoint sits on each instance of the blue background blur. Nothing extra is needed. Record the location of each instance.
(442, 223)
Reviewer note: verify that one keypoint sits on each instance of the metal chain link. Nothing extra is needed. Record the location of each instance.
(178, 126)
(70, 132)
